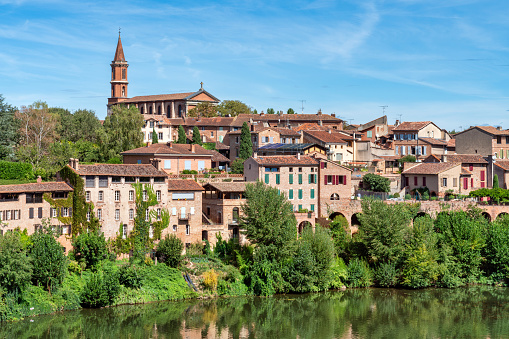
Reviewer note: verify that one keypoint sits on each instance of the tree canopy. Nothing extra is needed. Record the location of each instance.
(9, 133)
(376, 183)
(182, 138)
(196, 136)
(203, 109)
(233, 108)
(246, 145)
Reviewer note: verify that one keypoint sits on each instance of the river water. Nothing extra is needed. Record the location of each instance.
(475, 312)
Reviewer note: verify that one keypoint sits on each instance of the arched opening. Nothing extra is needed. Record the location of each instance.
(420, 214)
(355, 220)
(336, 214)
(159, 110)
(168, 112)
(303, 225)
(142, 110)
(180, 111)
(123, 91)
(334, 196)
(205, 235)
(235, 215)
(502, 215)
(150, 109)
(433, 194)
(235, 233)
(486, 215)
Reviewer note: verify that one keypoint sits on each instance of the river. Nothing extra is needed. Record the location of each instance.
(474, 312)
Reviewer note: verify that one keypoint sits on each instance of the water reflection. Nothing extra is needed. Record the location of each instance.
(476, 312)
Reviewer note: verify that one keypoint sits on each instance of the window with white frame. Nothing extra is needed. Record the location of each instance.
(150, 232)
(147, 214)
(117, 195)
(117, 214)
(65, 212)
(124, 231)
(160, 136)
(99, 214)
(16, 214)
(158, 195)
(88, 215)
(158, 214)
(131, 214)
(131, 195)
(173, 211)
(145, 196)
(174, 228)
(53, 212)
(444, 182)
(188, 229)
(100, 196)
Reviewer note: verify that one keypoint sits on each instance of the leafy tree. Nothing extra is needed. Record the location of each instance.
(182, 139)
(255, 111)
(155, 140)
(48, 257)
(237, 166)
(37, 131)
(495, 181)
(9, 132)
(122, 131)
(246, 145)
(290, 111)
(271, 111)
(376, 182)
(196, 136)
(203, 109)
(383, 229)
(407, 158)
(497, 249)
(169, 250)
(268, 221)
(340, 237)
(15, 264)
(80, 125)
(233, 108)
(101, 288)
(90, 248)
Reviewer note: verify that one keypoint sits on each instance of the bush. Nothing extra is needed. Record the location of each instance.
(387, 275)
(130, 276)
(15, 265)
(189, 172)
(210, 280)
(376, 182)
(339, 274)
(359, 274)
(170, 250)
(396, 195)
(408, 197)
(425, 196)
(16, 171)
(90, 248)
(195, 249)
(101, 289)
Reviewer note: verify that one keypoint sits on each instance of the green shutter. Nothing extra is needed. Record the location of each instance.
(290, 179)
(312, 207)
(312, 193)
(300, 207)
(300, 178)
(277, 179)
(309, 178)
(290, 194)
(266, 178)
(300, 194)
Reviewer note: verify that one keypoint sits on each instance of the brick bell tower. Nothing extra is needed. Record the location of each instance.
(118, 75)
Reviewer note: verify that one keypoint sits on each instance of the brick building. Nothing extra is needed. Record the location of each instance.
(484, 141)
(439, 178)
(407, 138)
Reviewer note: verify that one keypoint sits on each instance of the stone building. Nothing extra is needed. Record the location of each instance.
(408, 138)
(440, 178)
(484, 141)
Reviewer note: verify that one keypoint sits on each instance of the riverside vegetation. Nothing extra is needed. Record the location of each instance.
(455, 249)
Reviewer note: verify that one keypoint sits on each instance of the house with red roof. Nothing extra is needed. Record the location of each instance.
(419, 138)
(484, 141)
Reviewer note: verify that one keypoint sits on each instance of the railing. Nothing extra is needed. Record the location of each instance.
(233, 221)
(184, 216)
(376, 195)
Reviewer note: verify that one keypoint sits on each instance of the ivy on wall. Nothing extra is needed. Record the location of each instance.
(80, 207)
(59, 204)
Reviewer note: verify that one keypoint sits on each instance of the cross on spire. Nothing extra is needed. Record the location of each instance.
(201, 83)
(119, 32)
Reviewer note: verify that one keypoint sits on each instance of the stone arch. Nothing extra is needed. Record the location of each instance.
(159, 110)
(502, 214)
(355, 220)
(303, 225)
(334, 196)
(336, 214)
(150, 109)
(486, 215)
(433, 194)
(168, 111)
(420, 214)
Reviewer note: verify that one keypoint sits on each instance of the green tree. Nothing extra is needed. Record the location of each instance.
(290, 111)
(155, 140)
(246, 145)
(237, 166)
(80, 125)
(196, 136)
(169, 250)
(15, 264)
(9, 132)
(271, 111)
(255, 111)
(122, 131)
(182, 139)
(233, 108)
(203, 109)
(496, 251)
(376, 183)
(90, 248)
(49, 260)
(495, 181)
(268, 221)
(407, 158)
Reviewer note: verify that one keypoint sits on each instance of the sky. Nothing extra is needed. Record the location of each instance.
(414, 60)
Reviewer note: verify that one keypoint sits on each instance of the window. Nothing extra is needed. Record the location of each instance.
(173, 211)
(100, 196)
(290, 179)
(103, 181)
(312, 208)
(415, 181)
(174, 228)
(267, 179)
(152, 124)
(499, 139)
(31, 213)
(90, 181)
(187, 164)
(188, 229)
(147, 215)
(471, 167)
(312, 194)
(290, 194)
(53, 212)
(369, 134)
(117, 214)
(123, 73)
(39, 212)
(158, 214)
(455, 182)
(201, 165)
(424, 181)
(160, 136)
(131, 214)
(145, 195)
(300, 194)
(117, 195)
(300, 169)
(131, 195)
(482, 175)
(158, 195)
(300, 179)
(87, 195)
(299, 208)
(278, 181)
(100, 214)
(444, 182)
(65, 212)
(312, 178)
(150, 232)
(124, 231)
(334, 196)
(116, 180)
(167, 164)
(182, 196)
(88, 215)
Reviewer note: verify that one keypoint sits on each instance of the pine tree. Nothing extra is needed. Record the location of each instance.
(182, 139)
(495, 181)
(196, 136)
(155, 140)
(246, 146)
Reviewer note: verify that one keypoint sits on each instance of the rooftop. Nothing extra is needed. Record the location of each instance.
(168, 149)
(411, 125)
(284, 160)
(431, 168)
(36, 187)
(130, 170)
(327, 136)
(227, 187)
(184, 185)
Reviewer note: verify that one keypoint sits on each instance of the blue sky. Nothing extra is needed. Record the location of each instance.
(445, 61)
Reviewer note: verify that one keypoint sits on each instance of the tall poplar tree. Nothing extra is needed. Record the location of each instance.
(246, 145)
(182, 139)
(196, 136)
(155, 140)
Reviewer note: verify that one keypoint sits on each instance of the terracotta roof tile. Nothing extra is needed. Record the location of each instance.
(158, 97)
(184, 185)
(131, 170)
(493, 130)
(503, 164)
(327, 137)
(451, 143)
(310, 126)
(292, 117)
(411, 125)
(285, 160)
(227, 186)
(36, 187)
(465, 171)
(216, 121)
(431, 168)
(166, 149)
(466, 158)
(433, 141)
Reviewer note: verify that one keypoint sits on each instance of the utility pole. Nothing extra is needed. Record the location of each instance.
(302, 102)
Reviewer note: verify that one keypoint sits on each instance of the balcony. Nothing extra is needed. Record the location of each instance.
(184, 216)
(234, 222)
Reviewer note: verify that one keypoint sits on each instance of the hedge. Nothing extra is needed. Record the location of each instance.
(16, 170)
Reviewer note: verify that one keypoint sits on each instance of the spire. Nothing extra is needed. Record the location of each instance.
(119, 53)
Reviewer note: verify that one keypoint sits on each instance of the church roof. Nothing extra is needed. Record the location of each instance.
(119, 53)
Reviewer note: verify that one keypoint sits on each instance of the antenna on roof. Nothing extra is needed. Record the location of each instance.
(383, 109)
(399, 115)
(302, 102)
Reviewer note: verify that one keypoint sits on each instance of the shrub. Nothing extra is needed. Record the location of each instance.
(195, 249)
(408, 197)
(16, 170)
(339, 274)
(377, 183)
(359, 274)
(433, 198)
(189, 172)
(237, 166)
(15, 265)
(90, 247)
(130, 276)
(425, 196)
(387, 275)
(169, 250)
(210, 280)
(396, 195)
(101, 289)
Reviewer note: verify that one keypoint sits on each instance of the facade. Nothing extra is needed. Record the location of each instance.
(174, 158)
(407, 138)
(338, 149)
(295, 120)
(25, 206)
(484, 141)
(501, 169)
(334, 186)
(375, 128)
(440, 178)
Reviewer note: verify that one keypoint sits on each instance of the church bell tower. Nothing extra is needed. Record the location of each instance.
(118, 75)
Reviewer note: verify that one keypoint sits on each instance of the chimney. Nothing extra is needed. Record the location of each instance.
(499, 128)
(298, 156)
(39, 179)
(333, 115)
(74, 163)
(280, 112)
(444, 158)
(155, 163)
(330, 132)
(193, 148)
(255, 155)
(170, 144)
(261, 113)
(319, 111)
(396, 124)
